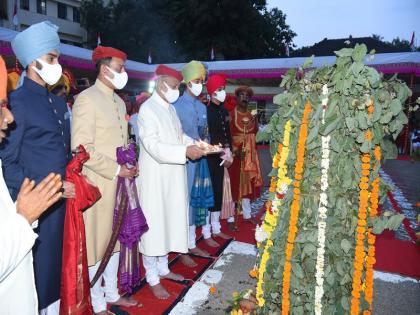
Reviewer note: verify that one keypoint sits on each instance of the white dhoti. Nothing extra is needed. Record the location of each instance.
(191, 237)
(212, 225)
(108, 293)
(156, 267)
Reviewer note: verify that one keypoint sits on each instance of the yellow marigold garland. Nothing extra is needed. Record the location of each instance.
(272, 209)
(360, 235)
(294, 208)
(370, 260)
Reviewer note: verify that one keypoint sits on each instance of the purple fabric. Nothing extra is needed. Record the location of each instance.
(134, 223)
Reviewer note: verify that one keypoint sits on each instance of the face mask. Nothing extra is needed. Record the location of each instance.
(119, 80)
(220, 96)
(196, 88)
(49, 73)
(171, 95)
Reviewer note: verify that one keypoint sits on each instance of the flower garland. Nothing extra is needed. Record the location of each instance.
(322, 211)
(360, 234)
(370, 260)
(272, 212)
(295, 207)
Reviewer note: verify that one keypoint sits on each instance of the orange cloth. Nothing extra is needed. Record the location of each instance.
(3, 80)
(247, 185)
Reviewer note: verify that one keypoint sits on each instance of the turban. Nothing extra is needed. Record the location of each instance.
(165, 70)
(193, 70)
(3, 80)
(245, 89)
(102, 52)
(36, 41)
(214, 82)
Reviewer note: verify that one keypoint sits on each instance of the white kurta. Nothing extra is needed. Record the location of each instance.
(17, 284)
(162, 181)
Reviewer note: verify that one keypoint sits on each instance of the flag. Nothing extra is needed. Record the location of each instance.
(15, 19)
(212, 54)
(149, 58)
(99, 40)
(287, 50)
(412, 42)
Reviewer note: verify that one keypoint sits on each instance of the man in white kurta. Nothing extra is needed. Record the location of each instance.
(162, 181)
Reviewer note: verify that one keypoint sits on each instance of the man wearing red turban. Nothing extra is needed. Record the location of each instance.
(99, 125)
(162, 182)
(218, 123)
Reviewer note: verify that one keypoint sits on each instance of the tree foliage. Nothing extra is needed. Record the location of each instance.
(353, 87)
(177, 30)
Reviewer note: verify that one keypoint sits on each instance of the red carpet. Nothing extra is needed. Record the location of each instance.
(397, 256)
(153, 306)
(403, 157)
(192, 273)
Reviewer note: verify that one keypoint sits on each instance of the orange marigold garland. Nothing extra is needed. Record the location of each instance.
(294, 208)
(360, 235)
(370, 260)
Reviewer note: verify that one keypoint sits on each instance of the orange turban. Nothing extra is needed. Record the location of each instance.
(3, 80)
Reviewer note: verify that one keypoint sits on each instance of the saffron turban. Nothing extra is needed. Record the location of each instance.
(214, 82)
(246, 89)
(36, 41)
(165, 70)
(193, 70)
(102, 52)
(3, 80)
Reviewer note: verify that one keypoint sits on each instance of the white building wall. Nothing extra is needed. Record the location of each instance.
(68, 30)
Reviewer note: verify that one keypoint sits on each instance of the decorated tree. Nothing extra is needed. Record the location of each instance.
(333, 127)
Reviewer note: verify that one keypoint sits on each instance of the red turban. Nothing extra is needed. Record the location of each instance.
(214, 82)
(102, 52)
(165, 70)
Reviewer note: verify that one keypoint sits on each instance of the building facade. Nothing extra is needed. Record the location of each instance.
(63, 13)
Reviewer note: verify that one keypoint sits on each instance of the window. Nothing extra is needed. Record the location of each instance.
(24, 5)
(61, 11)
(76, 15)
(41, 6)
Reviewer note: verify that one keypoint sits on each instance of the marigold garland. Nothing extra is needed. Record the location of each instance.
(359, 258)
(370, 260)
(294, 208)
(272, 210)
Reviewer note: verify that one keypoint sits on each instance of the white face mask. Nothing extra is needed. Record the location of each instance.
(220, 95)
(49, 73)
(119, 80)
(171, 95)
(196, 88)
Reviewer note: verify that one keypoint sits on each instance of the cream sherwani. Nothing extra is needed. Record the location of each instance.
(17, 284)
(99, 124)
(162, 181)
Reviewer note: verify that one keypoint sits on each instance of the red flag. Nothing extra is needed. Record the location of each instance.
(149, 58)
(412, 44)
(15, 19)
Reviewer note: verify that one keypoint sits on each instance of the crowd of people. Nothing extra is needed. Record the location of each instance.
(179, 183)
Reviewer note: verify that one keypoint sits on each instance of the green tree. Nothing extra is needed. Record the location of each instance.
(178, 30)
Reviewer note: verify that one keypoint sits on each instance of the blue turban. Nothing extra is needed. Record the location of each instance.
(36, 41)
